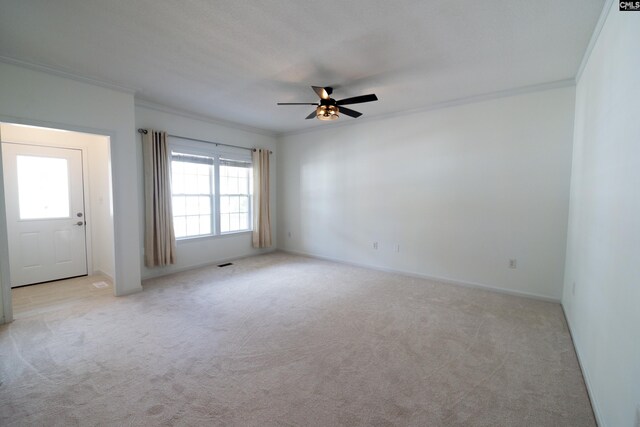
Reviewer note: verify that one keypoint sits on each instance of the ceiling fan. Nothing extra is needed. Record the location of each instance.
(329, 108)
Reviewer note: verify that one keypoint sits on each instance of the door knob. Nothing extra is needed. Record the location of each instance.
(80, 223)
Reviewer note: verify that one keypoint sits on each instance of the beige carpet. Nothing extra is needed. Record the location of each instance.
(280, 340)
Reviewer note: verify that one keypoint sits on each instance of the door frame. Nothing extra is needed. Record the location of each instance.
(88, 243)
(5, 269)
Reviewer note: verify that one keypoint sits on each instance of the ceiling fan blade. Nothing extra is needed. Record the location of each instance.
(357, 99)
(323, 94)
(311, 116)
(350, 112)
(297, 103)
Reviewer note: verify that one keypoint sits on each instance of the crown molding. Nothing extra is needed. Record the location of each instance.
(151, 105)
(138, 100)
(145, 103)
(441, 105)
(66, 74)
(604, 14)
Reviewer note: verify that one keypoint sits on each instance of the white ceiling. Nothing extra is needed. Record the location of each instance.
(233, 60)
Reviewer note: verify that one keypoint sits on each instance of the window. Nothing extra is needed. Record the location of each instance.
(211, 190)
(234, 195)
(43, 187)
(192, 182)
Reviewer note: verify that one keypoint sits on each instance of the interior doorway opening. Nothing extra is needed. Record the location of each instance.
(59, 213)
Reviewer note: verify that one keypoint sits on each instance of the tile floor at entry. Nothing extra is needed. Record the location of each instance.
(52, 296)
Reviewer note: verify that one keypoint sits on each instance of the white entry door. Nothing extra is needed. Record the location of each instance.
(45, 213)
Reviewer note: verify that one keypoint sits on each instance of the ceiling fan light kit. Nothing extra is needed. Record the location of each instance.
(327, 109)
(327, 112)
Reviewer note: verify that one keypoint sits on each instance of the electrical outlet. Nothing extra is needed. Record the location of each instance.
(513, 263)
(289, 234)
(396, 247)
(375, 245)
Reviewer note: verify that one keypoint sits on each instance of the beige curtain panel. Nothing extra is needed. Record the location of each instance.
(159, 237)
(261, 215)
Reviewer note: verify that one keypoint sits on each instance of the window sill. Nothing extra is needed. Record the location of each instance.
(184, 240)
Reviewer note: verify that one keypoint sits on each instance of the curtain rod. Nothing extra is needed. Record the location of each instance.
(144, 131)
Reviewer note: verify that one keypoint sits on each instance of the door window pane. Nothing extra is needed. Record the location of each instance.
(43, 187)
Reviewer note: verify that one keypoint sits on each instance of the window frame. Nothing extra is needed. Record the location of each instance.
(210, 195)
(215, 152)
(248, 195)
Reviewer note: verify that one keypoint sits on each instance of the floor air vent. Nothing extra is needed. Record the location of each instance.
(225, 264)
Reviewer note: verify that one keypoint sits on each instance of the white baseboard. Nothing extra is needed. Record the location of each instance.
(204, 264)
(129, 291)
(585, 373)
(427, 276)
(102, 273)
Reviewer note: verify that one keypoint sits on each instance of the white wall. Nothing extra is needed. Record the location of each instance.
(37, 98)
(101, 203)
(461, 190)
(97, 167)
(210, 250)
(603, 248)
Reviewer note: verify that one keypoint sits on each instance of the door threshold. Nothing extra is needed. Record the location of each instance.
(49, 281)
